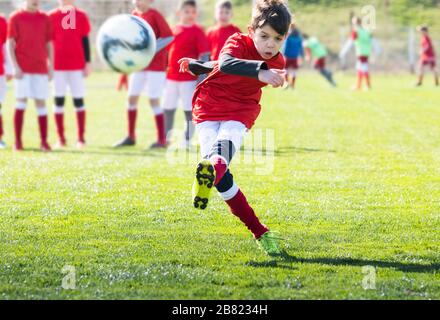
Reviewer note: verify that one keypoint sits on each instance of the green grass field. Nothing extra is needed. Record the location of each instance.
(355, 182)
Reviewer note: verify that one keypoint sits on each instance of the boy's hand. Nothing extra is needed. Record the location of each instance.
(87, 70)
(274, 77)
(9, 77)
(184, 65)
(18, 74)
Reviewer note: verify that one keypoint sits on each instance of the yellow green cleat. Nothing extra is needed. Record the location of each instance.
(269, 243)
(203, 184)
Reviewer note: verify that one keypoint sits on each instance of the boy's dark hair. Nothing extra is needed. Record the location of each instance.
(224, 4)
(274, 13)
(184, 3)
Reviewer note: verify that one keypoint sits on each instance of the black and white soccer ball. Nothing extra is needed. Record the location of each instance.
(126, 43)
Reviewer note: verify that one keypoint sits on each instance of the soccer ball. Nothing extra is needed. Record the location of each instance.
(126, 43)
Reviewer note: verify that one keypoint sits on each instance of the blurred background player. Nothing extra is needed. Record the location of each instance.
(293, 51)
(152, 79)
(190, 41)
(427, 56)
(315, 50)
(31, 52)
(227, 104)
(224, 28)
(71, 28)
(363, 42)
(5, 72)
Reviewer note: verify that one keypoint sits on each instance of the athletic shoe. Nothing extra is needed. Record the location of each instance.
(45, 147)
(18, 146)
(80, 145)
(269, 243)
(126, 142)
(2, 144)
(203, 184)
(60, 145)
(158, 145)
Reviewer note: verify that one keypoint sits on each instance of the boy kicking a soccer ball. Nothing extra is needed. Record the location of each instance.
(227, 103)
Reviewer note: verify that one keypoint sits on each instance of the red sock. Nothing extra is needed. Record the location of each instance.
(367, 79)
(18, 126)
(160, 127)
(59, 122)
(1, 127)
(220, 167)
(293, 82)
(359, 83)
(241, 208)
(42, 124)
(132, 116)
(123, 82)
(81, 123)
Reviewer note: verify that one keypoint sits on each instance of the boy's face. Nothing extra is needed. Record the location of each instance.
(33, 4)
(142, 5)
(187, 15)
(223, 16)
(267, 41)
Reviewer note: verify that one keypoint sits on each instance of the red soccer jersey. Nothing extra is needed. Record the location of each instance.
(3, 37)
(189, 42)
(223, 97)
(31, 32)
(428, 53)
(217, 37)
(69, 26)
(161, 30)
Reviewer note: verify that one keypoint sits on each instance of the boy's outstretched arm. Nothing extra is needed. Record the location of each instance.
(196, 67)
(240, 67)
(227, 64)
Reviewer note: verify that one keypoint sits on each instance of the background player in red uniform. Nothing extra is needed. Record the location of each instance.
(71, 29)
(190, 41)
(227, 103)
(151, 80)
(218, 34)
(31, 51)
(3, 73)
(427, 56)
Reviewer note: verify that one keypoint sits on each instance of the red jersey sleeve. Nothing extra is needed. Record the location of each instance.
(3, 30)
(163, 26)
(85, 25)
(12, 28)
(49, 30)
(203, 45)
(235, 47)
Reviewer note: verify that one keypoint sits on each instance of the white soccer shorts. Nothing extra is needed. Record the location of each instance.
(69, 80)
(179, 91)
(2, 89)
(151, 83)
(32, 86)
(212, 131)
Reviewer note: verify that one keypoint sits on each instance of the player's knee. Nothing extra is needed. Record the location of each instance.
(223, 148)
(78, 102)
(226, 183)
(60, 101)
